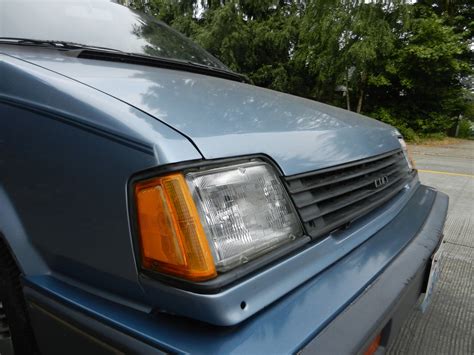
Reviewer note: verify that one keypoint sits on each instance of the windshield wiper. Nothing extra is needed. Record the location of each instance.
(114, 55)
(53, 43)
(168, 63)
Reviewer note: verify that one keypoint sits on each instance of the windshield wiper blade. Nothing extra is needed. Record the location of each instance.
(167, 63)
(38, 42)
(109, 54)
(53, 43)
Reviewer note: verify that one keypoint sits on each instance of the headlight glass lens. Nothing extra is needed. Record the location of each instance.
(244, 210)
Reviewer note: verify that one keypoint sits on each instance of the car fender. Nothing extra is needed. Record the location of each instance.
(13, 234)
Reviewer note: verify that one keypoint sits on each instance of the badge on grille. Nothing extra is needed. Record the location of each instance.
(381, 181)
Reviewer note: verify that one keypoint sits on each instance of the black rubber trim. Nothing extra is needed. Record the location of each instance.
(223, 280)
(386, 298)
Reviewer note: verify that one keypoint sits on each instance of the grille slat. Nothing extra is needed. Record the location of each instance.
(346, 201)
(352, 214)
(341, 176)
(330, 198)
(361, 182)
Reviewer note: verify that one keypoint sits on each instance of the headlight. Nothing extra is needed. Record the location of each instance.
(245, 211)
(196, 224)
(408, 158)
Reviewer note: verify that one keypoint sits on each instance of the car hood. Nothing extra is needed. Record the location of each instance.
(224, 118)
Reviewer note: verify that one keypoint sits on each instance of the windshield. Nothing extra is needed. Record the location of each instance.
(99, 23)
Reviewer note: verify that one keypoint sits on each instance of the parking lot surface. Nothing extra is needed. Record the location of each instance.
(447, 326)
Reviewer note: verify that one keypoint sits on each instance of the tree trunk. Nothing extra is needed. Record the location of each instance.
(363, 82)
(348, 99)
(359, 101)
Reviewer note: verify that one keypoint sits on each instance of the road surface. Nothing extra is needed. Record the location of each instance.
(447, 326)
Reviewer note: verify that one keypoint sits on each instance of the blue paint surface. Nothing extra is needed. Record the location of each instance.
(226, 118)
(74, 131)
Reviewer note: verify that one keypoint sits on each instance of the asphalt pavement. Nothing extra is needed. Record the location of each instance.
(447, 326)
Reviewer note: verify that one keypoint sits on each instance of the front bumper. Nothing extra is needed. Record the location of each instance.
(337, 311)
(384, 305)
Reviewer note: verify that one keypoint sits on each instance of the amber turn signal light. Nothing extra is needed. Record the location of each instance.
(172, 238)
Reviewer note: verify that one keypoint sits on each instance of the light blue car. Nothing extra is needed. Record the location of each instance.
(152, 200)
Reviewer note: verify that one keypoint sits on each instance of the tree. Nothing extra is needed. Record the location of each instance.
(342, 43)
(425, 91)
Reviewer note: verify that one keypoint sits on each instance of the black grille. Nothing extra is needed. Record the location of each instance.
(330, 198)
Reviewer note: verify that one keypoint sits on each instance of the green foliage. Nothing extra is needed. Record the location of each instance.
(386, 116)
(424, 71)
(468, 98)
(466, 129)
(432, 136)
(406, 64)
